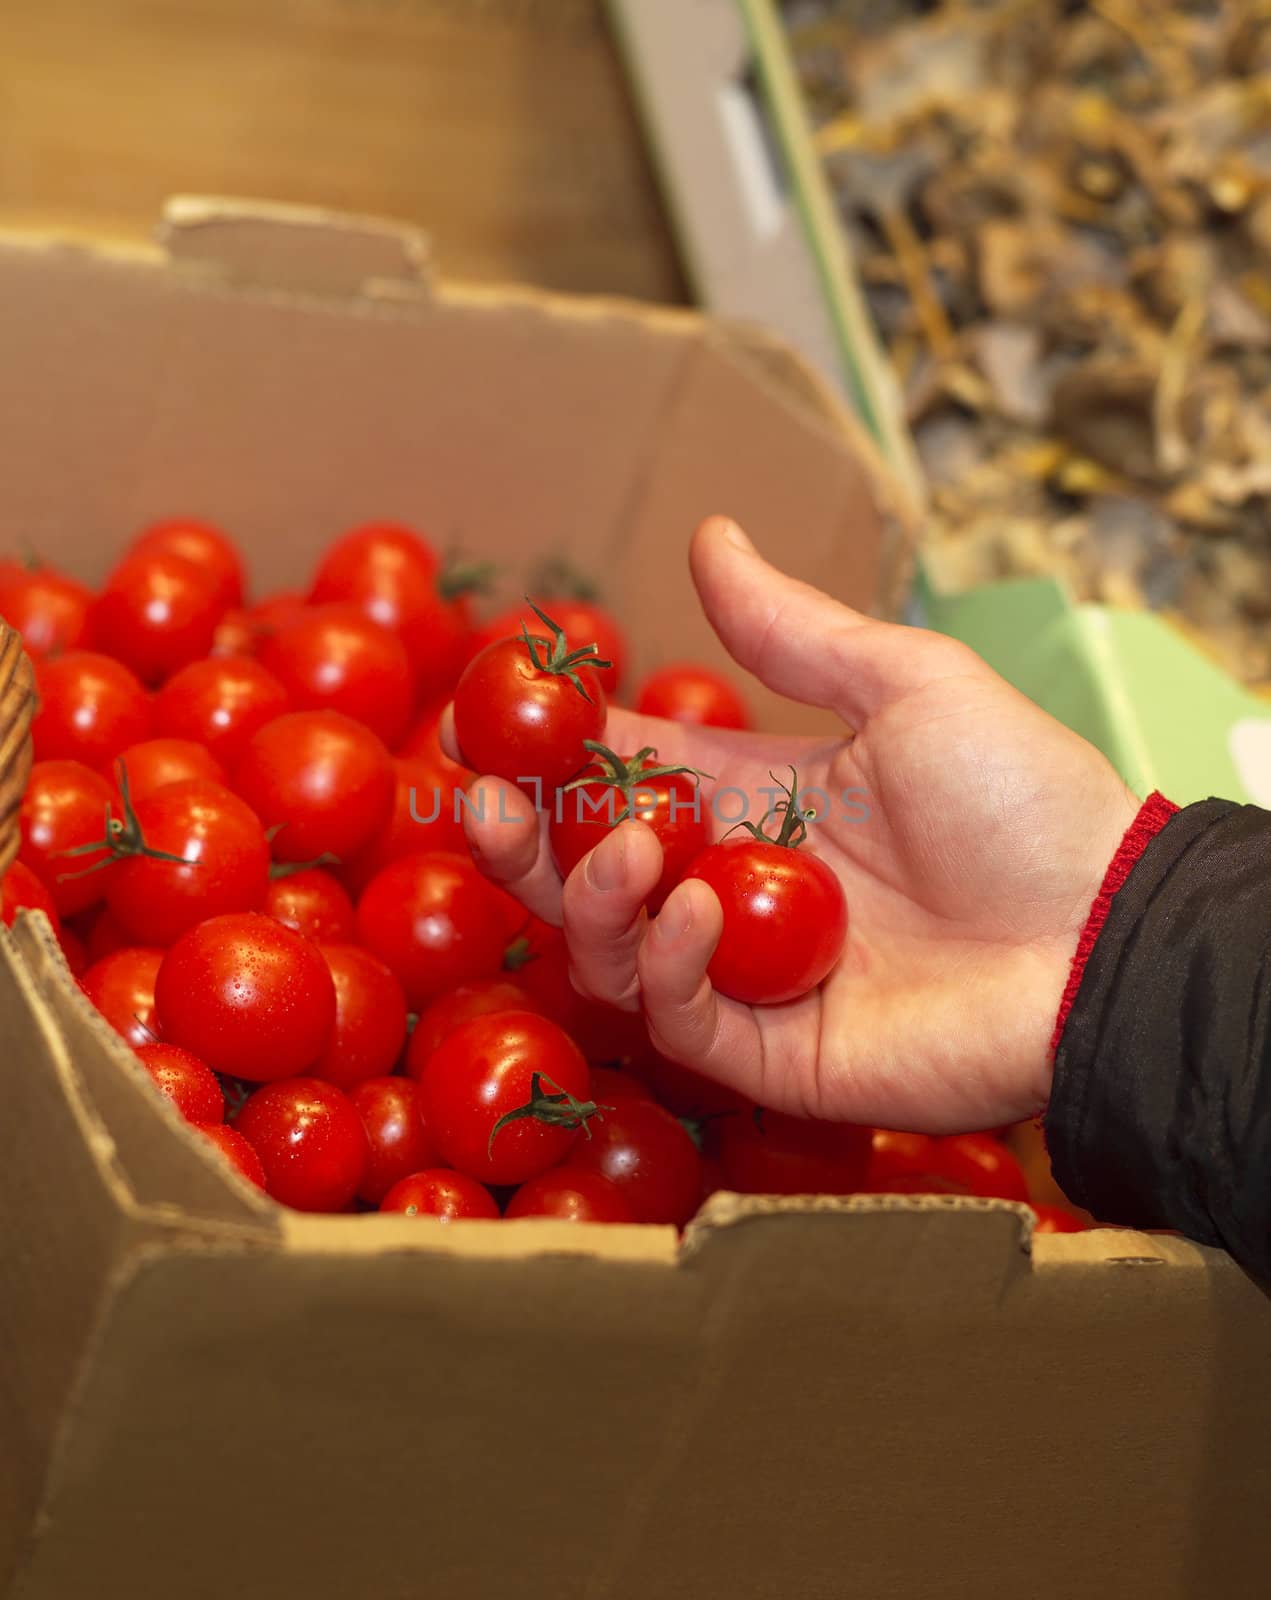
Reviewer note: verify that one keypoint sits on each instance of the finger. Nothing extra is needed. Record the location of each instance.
(507, 837)
(604, 913)
(800, 642)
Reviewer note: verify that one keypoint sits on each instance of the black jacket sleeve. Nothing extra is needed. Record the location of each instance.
(1160, 1112)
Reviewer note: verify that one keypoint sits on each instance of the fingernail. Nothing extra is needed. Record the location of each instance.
(737, 538)
(607, 864)
(675, 918)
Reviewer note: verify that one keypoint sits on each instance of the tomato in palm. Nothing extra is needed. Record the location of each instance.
(310, 1141)
(523, 709)
(155, 763)
(219, 702)
(49, 609)
(437, 1192)
(395, 1131)
(333, 657)
(212, 552)
(65, 808)
(435, 921)
(665, 799)
(583, 620)
(570, 1194)
(189, 1083)
(980, 1164)
(250, 997)
(122, 987)
(312, 902)
(21, 890)
(483, 998)
(370, 1018)
(692, 694)
(427, 815)
(156, 612)
(236, 1151)
(190, 851)
(1055, 1219)
(240, 630)
(516, 1066)
(649, 1156)
(770, 1153)
(322, 779)
(91, 708)
(785, 914)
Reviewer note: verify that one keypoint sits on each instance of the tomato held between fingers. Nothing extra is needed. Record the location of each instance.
(236, 1151)
(771, 1153)
(122, 987)
(310, 901)
(398, 1140)
(692, 694)
(219, 703)
(156, 612)
(505, 1096)
(189, 1083)
(648, 1155)
(334, 658)
(49, 609)
(438, 1192)
(370, 1018)
(484, 997)
(155, 763)
(250, 997)
(310, 1141)
(21, 890)
(585, 621)
(207, 548)
(570, 1194)
(65, 807)
(91, 708)
(322, 780)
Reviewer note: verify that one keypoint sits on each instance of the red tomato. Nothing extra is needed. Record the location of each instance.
(311, 902)
(370, 1019)
(334, 658)
(73, 951)
(250, 997)
(65, 808)
(154, 763)
(582, 620)
(212, 552)
(1055, 1219)
(190, 851)
(121, 986)
(571, 1194)
(240, 631)
(688, 693)
(189, 1083)
(91, 708)
(426, 815)
(523, 711)
(237, 1152)
(310, 1141)
(776, 1154)
(219, 703)
(485, 1070)
(664, 799)
(435, 921)
(395, 1132)
(46, 607)
(981, 1165)
(483, 998)
(323, 780)
(439, 1193)
(21, 890)
(611, 1087)
(156, 612)
(899, 1160)
(647, 1154)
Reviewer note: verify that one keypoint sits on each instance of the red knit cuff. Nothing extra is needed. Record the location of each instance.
(1152, 816)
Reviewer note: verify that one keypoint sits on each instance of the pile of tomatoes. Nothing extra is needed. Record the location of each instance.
(244, 830)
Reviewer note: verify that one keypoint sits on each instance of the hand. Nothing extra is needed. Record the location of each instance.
(988, 832)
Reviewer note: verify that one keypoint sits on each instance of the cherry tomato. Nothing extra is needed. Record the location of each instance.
(582, 620)
(311, 902)
(154, 763)
(64, 808)
(21, 890)
(219, 703)
(206, 547)
(522, 711)
(310, 1141)
(443, 1194)
(250, 997)
(647, 1154)
(399, 1142)
(900, 1160)
(334, 658)
(325, 781)
(240, 631)
(980, 1164)
(483, 1071)
(74, 951)
(776, 1154)
(122, 987)
(1055, 1219)
(46, 607)
(370, 1018)
(665, 800)
(484, 997)
(189, 1083)
(236, 1151)
(435, 921)
(688, 693)
(156, 612)
(611, 1087)
(91, 708)
(571, 1194)
(213, 857)
(426, 815)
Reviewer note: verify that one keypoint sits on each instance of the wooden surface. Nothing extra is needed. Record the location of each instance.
(505, 127)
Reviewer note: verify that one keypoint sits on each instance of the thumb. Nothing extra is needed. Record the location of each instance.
(802, 644)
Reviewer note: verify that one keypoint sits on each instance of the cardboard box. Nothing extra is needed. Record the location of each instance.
(205, 1396)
